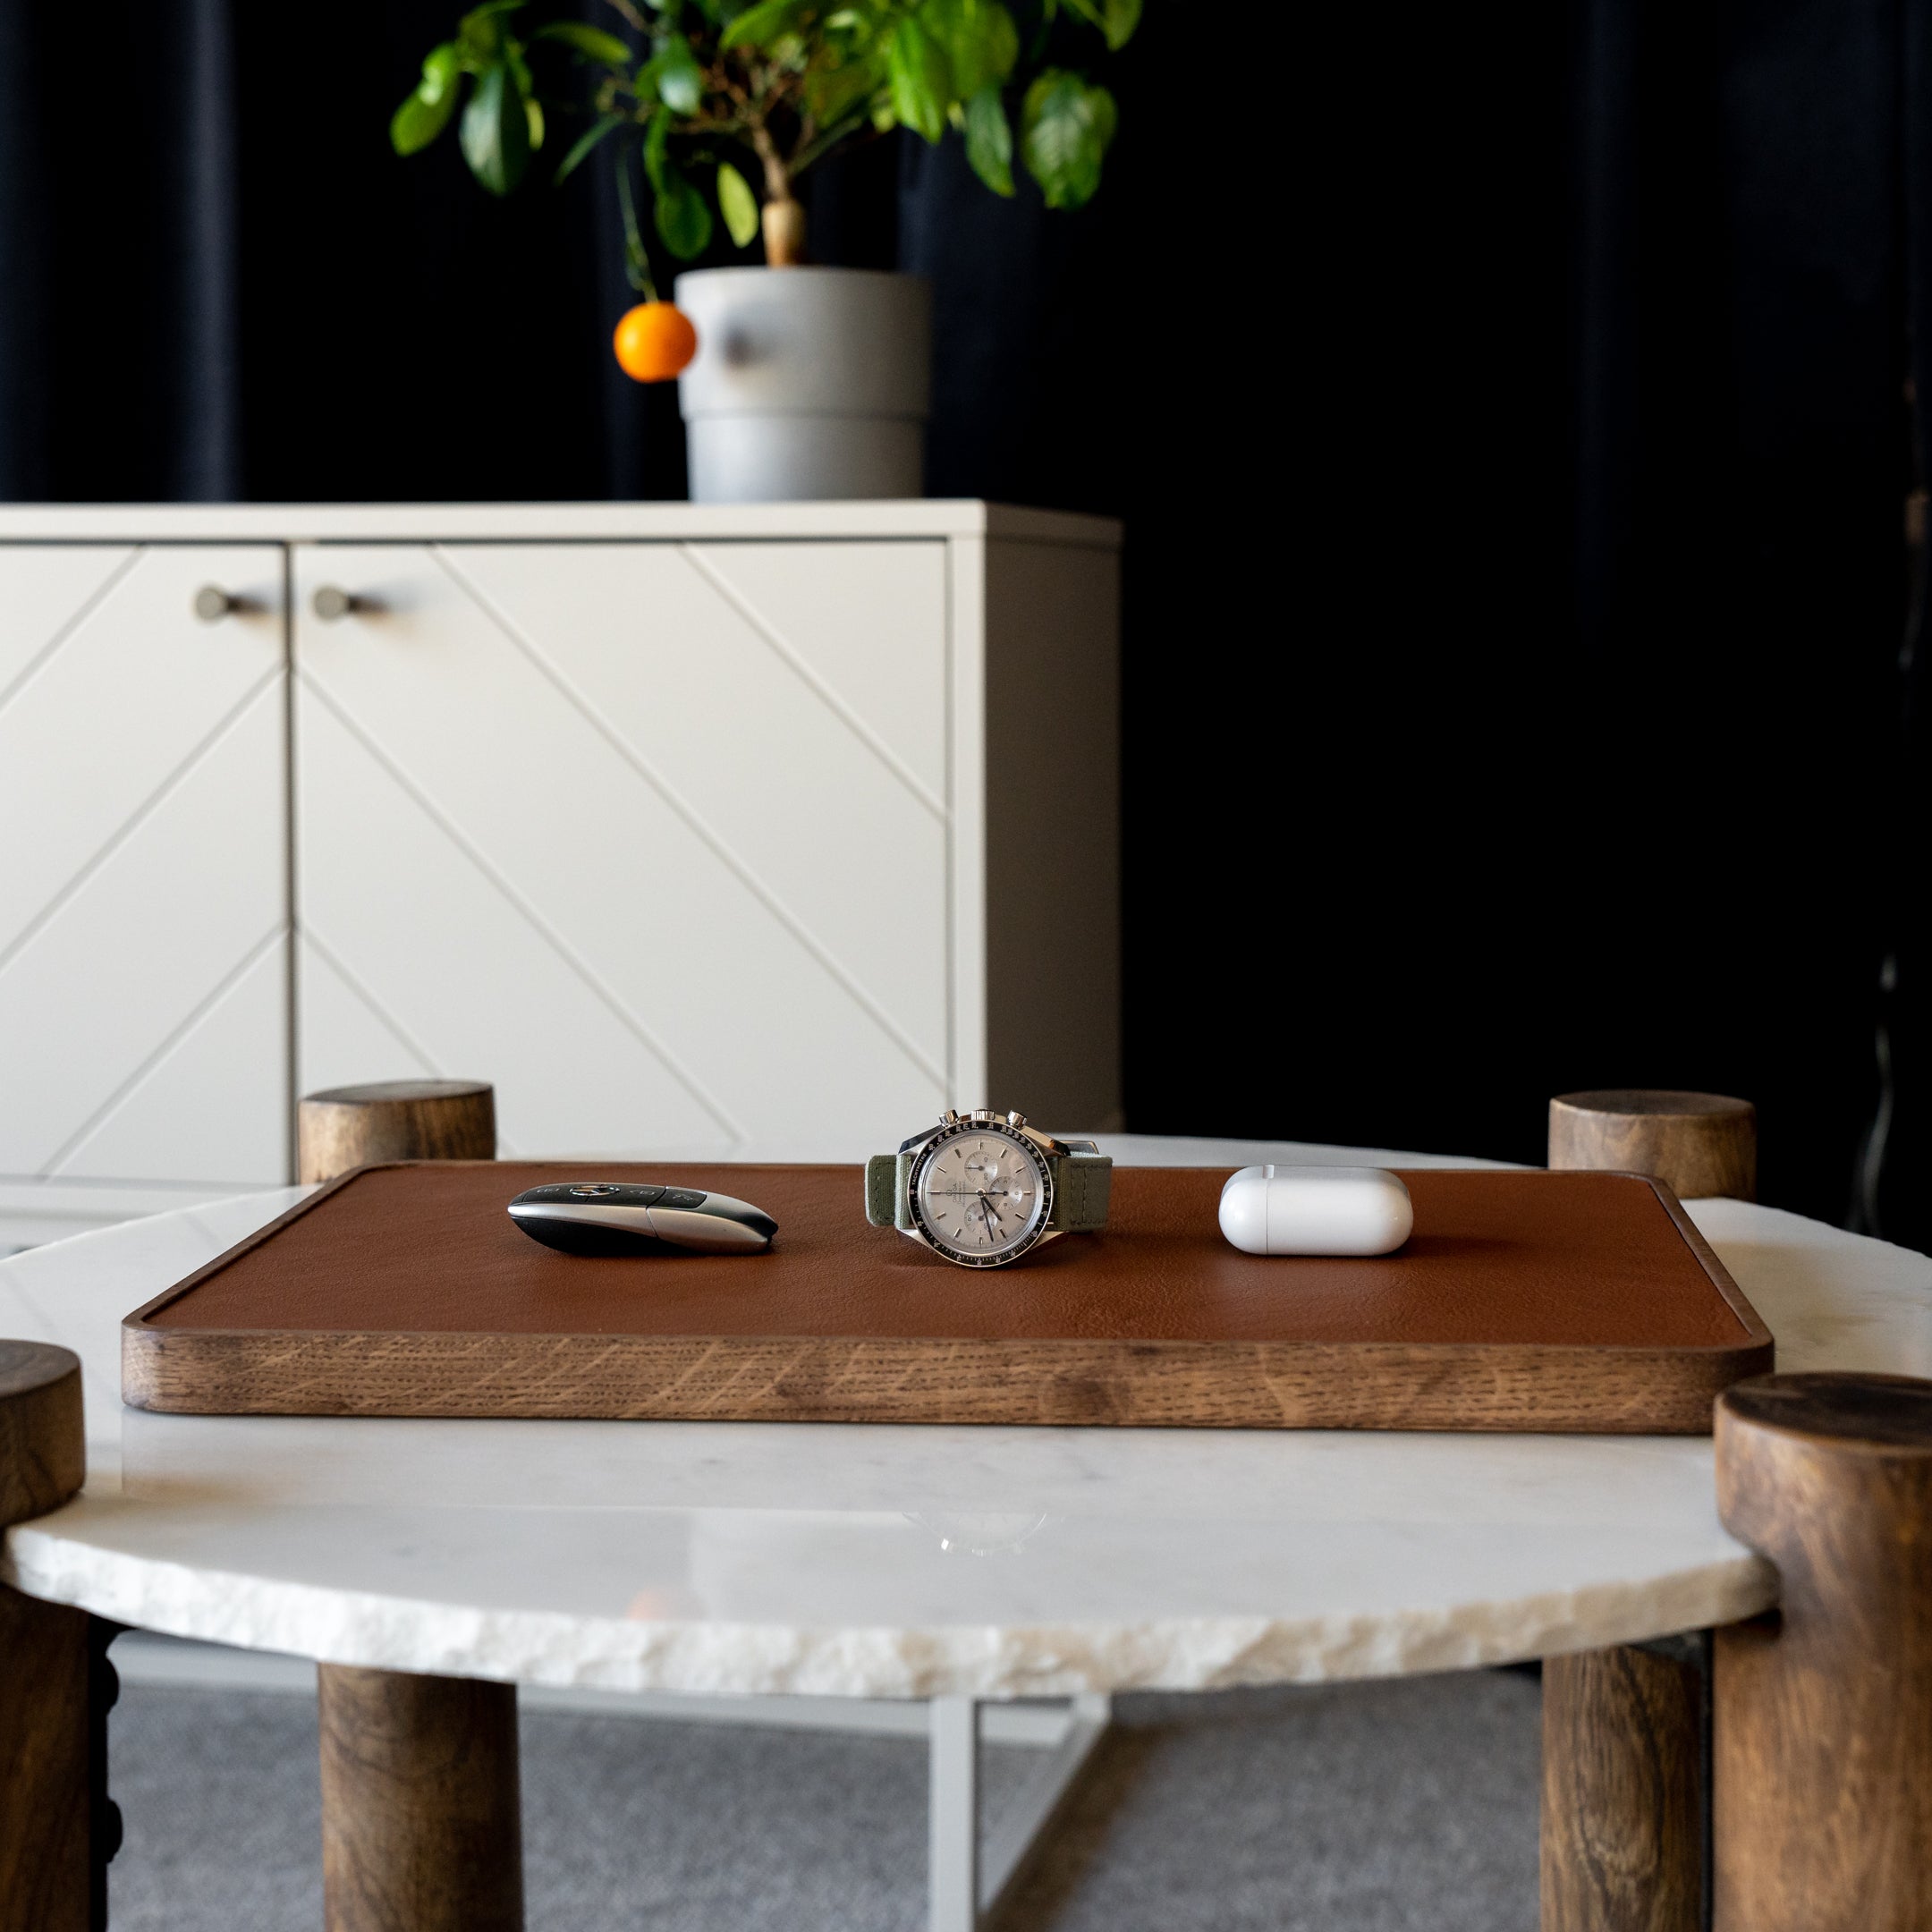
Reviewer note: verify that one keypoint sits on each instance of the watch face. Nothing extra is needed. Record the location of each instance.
(982, 1195)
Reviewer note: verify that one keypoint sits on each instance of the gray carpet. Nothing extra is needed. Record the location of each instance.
(1364, 1808)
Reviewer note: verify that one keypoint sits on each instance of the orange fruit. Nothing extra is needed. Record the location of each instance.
(653, 340)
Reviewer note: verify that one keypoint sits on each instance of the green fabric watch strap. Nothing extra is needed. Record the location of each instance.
(1083, 1183)
(886, 1192)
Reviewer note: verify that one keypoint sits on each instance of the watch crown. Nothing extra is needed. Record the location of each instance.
(1016, 1120)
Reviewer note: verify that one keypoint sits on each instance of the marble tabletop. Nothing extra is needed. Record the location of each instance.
(893, 1562)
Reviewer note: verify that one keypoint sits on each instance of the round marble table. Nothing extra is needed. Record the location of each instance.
(917, 1562)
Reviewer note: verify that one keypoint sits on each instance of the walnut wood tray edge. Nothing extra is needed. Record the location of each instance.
(1194, 1385)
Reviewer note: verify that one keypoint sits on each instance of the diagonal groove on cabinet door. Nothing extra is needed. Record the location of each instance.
(812, 682)
(45, 654)
(604, 994)
(212, 1076)
(104, 1111)
(426, 1066)
(773, 904)
(140, 816)
(389, 1023)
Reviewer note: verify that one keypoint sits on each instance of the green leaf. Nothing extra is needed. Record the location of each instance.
(680, 77)
(738, 204)
(495, 131)
(989, 138)
(683, 221)
(979, 38)
(658, 148)
(426, 112)
(533, 114)
(591, 136)
(1105, 114)
(442, 71)
(1122, 16)
(1065, 126)
(922, 80)
(592, 42)
(831, 93)
(759, 25)
(480, 31)
(417, 123)
(1115, 17)
(683, 216)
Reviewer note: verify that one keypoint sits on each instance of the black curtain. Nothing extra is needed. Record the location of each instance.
(1511, 419)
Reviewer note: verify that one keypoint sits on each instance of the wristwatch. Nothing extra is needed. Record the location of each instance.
(982, 1189)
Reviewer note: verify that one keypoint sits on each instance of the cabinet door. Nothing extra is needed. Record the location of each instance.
(652, 835)
(144, 972)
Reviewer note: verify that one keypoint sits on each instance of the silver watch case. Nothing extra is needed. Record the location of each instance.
(1012, 1127)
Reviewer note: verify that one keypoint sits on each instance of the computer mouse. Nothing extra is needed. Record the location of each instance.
(625, 1217)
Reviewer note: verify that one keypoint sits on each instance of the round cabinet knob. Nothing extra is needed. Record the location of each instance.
(332, 604)
(212, 603)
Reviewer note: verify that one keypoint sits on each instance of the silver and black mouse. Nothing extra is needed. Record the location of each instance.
(625, 1217)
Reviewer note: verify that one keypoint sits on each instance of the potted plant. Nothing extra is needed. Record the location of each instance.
(793, 380)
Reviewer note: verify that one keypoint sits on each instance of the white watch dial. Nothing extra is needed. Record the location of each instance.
(982, 1196)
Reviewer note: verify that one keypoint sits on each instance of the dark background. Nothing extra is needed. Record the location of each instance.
(1511, 417)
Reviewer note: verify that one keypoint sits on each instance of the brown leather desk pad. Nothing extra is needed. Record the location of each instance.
(1523, 1300)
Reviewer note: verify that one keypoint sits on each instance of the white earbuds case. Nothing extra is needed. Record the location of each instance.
(1316, 1211)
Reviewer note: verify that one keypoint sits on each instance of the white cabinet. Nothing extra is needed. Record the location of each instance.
(691, 828)
(144, 910)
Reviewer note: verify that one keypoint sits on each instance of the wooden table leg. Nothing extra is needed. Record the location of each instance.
(1822, 1711)
(1625, 1797)
(57, 1830)
(1623, 1789)
(421, 1824)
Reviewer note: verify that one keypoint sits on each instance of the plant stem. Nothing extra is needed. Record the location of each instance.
(637, 263)
(783, 217)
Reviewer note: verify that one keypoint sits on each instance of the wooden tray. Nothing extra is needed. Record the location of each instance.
(1523, 1300)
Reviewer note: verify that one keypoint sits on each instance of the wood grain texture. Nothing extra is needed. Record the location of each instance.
(421, 1819)
(1822, 1711)
(1609, 1314)
(1136, 1384)
(1622, 1830)
(56, 1829)
(348, 1127)
(43, 1444)
(1700, 1145)
(47, 1870)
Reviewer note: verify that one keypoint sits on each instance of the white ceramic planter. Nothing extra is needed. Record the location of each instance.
(807, 382)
